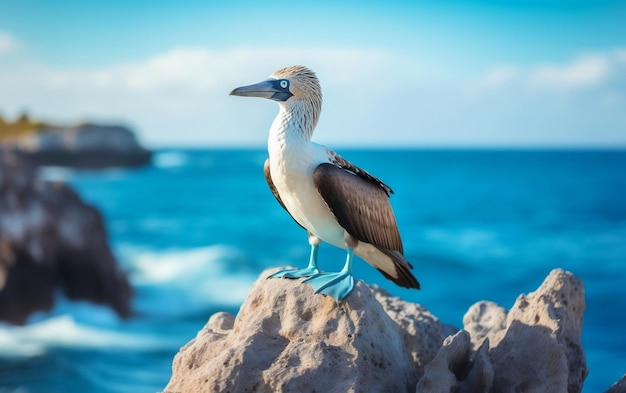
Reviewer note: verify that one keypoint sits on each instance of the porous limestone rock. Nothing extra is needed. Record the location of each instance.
(287, 339)
(456, 369)
(421, 332)
(535, 347)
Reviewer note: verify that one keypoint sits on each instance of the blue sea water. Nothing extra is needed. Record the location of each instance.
(197, 227)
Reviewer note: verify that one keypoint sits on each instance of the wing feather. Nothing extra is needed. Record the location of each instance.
(360, 205)
(345, 164)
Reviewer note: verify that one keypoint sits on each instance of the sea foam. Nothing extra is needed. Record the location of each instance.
(65, 332)
(182, 281)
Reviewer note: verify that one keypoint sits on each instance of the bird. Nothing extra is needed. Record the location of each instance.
(332, 199)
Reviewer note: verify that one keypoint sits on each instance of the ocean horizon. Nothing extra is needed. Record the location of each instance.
(194, 229)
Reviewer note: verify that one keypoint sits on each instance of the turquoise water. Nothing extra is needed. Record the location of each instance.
(196, 228)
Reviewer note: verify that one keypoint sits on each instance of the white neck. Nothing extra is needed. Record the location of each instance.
(292, 128)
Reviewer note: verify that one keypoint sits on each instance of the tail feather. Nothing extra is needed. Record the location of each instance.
(390, 263)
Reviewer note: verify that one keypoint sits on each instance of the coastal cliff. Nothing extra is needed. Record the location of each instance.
(81, 146)
(287, 339)
(51, 242)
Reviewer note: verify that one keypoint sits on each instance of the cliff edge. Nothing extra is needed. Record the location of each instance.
(85, 145)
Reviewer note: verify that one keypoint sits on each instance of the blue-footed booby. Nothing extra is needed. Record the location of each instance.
(334, 200)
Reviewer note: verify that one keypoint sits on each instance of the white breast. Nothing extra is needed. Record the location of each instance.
(292, 163)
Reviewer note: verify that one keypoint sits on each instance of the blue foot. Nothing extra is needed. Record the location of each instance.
(338, 285)
(296, 273)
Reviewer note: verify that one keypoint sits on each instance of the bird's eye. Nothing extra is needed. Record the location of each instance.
(284, 84)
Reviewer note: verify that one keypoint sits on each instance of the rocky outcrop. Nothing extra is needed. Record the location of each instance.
(51, 241)
(534, 347)
(287, 339)
(82, 146)
(456, 369)
(541, 333)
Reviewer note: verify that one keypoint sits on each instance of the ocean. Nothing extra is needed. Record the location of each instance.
(196, 228)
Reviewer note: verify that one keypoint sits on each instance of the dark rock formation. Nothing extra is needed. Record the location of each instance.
(287, 339)
(49, 241)
(82, 146)
(619, 386)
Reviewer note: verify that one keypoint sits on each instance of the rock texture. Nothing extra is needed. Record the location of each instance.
(287, 339)
(49, 241)
(541, 334)
(456, 369)
(82, 146)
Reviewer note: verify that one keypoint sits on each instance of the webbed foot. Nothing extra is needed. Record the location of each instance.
(338, 285)
(296, 273)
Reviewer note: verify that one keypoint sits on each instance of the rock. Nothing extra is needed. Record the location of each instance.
(421, 331)
(483, 318)
(535, 347)
(285, 338)
(82, 146)
(619, 386)
(49, 241)
(453, 369)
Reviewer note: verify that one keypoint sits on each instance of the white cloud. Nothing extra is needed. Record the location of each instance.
(620, 55)
(577, 103)
(8, 43)
(584, 72)
(500, 76)
(188, 87)
(375, 96)
(199, 70)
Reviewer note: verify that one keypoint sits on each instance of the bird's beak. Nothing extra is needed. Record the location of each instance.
(269, 88)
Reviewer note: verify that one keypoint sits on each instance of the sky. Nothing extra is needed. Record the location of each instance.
(429, 73)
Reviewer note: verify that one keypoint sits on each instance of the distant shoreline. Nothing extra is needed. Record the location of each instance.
(477, 149)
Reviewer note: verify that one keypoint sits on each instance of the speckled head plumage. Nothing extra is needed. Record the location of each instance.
(303, 83)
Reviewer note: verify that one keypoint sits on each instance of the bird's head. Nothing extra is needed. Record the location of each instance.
(287, 85)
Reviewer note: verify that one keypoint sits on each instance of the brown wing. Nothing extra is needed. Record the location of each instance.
(270, 183)
(360, 204)
(345, 164)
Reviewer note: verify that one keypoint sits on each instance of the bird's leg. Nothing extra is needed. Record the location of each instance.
(308, 271)
(340, 284)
